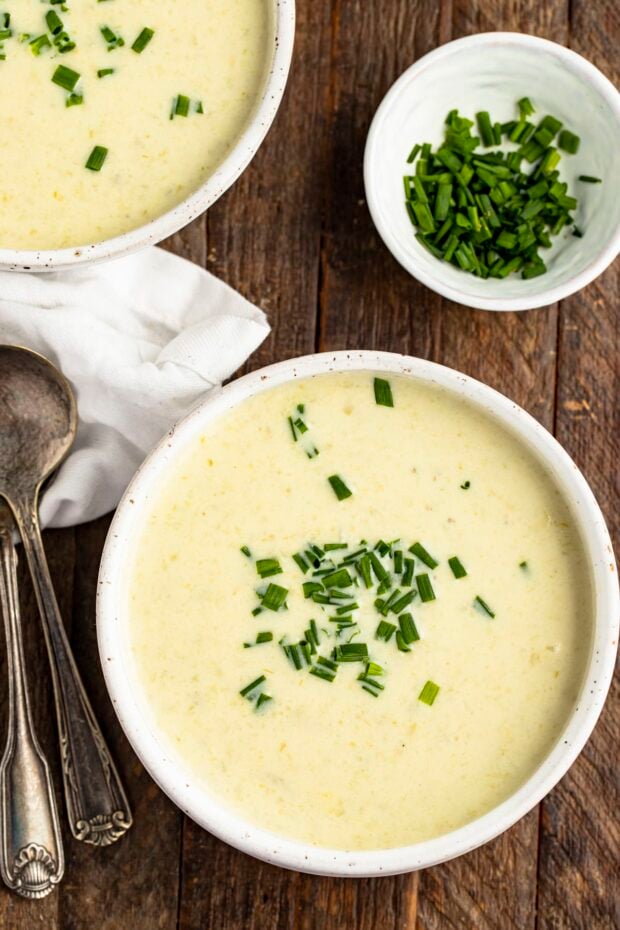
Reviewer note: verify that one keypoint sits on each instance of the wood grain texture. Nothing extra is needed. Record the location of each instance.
(580, 834)
(294, 235)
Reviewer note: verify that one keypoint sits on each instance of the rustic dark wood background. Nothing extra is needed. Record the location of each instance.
(294, 235)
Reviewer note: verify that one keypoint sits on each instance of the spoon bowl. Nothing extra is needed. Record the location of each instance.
(38, 419)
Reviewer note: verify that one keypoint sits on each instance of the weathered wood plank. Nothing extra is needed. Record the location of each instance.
(580, 840)
(367, 299)
(15, 912)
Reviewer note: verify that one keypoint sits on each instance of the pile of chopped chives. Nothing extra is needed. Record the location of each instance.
(334, 575)
(488, 213)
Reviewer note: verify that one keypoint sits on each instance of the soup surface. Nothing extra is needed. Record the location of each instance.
(467, 675)
(215, 53)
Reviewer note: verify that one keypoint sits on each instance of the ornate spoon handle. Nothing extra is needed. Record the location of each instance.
(96, 803)
(31, 856)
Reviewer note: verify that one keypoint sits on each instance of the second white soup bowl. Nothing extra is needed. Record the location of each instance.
(137, 718)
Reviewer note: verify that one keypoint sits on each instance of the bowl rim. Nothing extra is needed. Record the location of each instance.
(227, 172)
(587, 72)
(297, 855)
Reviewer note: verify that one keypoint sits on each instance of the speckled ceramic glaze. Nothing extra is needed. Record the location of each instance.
(217, 183)
(122, 674)
(491, 71)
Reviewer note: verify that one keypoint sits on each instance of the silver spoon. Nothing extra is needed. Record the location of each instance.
(38, 422)
(31, 855)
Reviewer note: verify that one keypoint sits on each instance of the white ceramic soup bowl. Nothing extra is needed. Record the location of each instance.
(137, 718)
(491, 71)
(244, 149)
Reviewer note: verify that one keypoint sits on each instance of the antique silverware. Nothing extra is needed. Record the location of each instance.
(31, 855)
(38, 422)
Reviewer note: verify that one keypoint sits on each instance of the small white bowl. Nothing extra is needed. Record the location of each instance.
(491, 71)
(283, 12)
(132, 707)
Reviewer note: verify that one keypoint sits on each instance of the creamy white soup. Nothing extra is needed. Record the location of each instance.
(360, 610)
(164, 90)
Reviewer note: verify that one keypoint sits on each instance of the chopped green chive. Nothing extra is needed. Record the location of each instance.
(428, 693)
(339, 487)
(383, 393)
(385, 630)
(54, 22)
(485, 128)
(180, 106)
(96, 158)
(103, 72)
(262, 699)
(425, 588)
(380, 572)
(267, 567)
(399, 604)
(589, 179)
(39, 43)
(569, 142)
(143, 40)
(523, 565)
(413, 153)
(248, 691)
(245, 550)
(301, 562)
(408, 629)
(74, 100)
(111, 39)
(63, 42)
(364, 568)
(265, 637)
(65, 77)
(352, 652)
(421, 553)
(338, 579)
(457, 567)
(401, 642)
(526, 107)
(466, 486)
(311, 587)
(274, 597)
(478, 602)
(324, 668)
(481, 211)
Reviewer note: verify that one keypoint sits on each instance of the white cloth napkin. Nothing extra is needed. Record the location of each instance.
(140, 339)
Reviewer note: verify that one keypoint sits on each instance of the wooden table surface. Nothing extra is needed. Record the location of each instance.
(294, 235)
